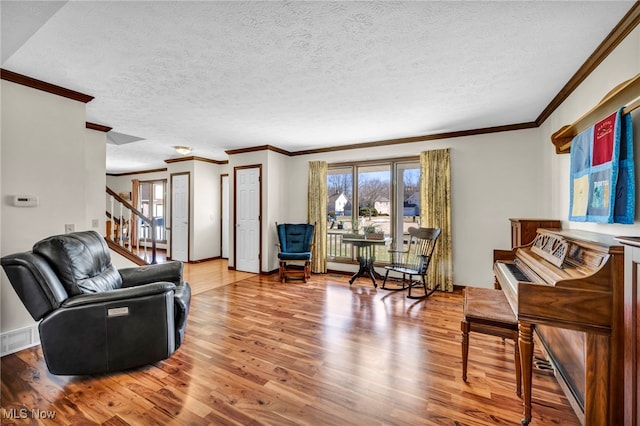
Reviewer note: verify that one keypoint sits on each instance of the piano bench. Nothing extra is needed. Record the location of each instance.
(487, 311)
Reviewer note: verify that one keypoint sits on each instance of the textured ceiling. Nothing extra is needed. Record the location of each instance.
(300, 75)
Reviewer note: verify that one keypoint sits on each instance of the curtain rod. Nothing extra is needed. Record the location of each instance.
(625, 94)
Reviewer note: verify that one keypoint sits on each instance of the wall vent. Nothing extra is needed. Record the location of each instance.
(16, 340)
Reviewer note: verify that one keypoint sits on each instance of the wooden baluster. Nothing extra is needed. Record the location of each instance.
(120, 227)
(139, 226)
(153, 240)
(332, 245)
(134, 235)
(127, 226)
(113, 224)
(146, 245)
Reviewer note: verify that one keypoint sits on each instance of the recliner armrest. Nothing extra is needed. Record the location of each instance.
(169, 271)
(119, 294)
(181, 302)
(110, 331)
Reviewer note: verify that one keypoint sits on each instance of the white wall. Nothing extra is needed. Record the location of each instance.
(206, 211)
(95, 154)
(278, 204)
(494, 177)
(47, 152)
(622, 64)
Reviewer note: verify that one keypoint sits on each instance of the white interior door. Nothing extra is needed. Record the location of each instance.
(180, 217)
(247, 213)
(225, 217)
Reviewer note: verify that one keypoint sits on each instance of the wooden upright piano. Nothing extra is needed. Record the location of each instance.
(568, 286)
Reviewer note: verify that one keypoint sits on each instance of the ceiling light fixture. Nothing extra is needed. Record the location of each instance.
(183, 150)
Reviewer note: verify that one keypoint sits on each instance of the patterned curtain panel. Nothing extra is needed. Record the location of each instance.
(317, 213)
(435, 212)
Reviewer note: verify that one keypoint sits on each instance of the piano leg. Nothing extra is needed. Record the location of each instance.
(525, 342)
(466, 328)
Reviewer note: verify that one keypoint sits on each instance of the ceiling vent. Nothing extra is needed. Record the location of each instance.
(116, 138)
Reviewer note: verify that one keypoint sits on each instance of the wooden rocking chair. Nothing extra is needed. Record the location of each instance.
(414, 261)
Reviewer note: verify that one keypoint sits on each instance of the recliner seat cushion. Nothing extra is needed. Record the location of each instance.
(81, 261)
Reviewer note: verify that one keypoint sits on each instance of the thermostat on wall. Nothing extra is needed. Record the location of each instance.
(25, 200)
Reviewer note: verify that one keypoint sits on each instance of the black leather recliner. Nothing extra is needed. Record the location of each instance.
(95, 318)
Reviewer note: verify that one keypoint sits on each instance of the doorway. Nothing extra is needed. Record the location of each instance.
(151, 202)
(224, 216)
(247, 207)
(180, 216)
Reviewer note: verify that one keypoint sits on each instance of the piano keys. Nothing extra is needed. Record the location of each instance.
(568, 285)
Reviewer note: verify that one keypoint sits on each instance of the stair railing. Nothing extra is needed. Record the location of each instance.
(122, 228)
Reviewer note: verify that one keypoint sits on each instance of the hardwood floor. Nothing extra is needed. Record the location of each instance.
(206, 276)
(322, 353)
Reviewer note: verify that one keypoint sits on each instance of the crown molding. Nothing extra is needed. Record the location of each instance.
(423, 138)
(139, 172)
(258, 148)
(24, 80)
(195, 158)
(98, 127)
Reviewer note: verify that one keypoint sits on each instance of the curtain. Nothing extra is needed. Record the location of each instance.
(435, 212)
(317, 213)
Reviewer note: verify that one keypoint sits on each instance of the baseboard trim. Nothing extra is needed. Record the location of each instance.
(205, 260)
(17, 340)
(339, 272)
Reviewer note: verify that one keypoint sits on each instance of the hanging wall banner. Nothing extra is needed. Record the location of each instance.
(602, 186)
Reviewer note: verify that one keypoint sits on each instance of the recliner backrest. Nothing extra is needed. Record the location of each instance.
(81, 261)
(295, 237)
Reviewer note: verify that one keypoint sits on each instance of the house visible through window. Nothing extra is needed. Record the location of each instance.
(151, 202)
(387, 199)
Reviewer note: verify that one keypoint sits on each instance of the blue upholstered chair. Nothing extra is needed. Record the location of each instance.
(296, 243)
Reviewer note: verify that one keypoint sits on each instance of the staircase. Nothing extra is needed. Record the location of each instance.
(129, 232)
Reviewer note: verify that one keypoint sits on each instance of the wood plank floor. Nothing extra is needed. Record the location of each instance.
(258, 352)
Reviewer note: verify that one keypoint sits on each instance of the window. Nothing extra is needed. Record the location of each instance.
(339, 209)
(408, 206)
(151, 202)
(386, 194)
